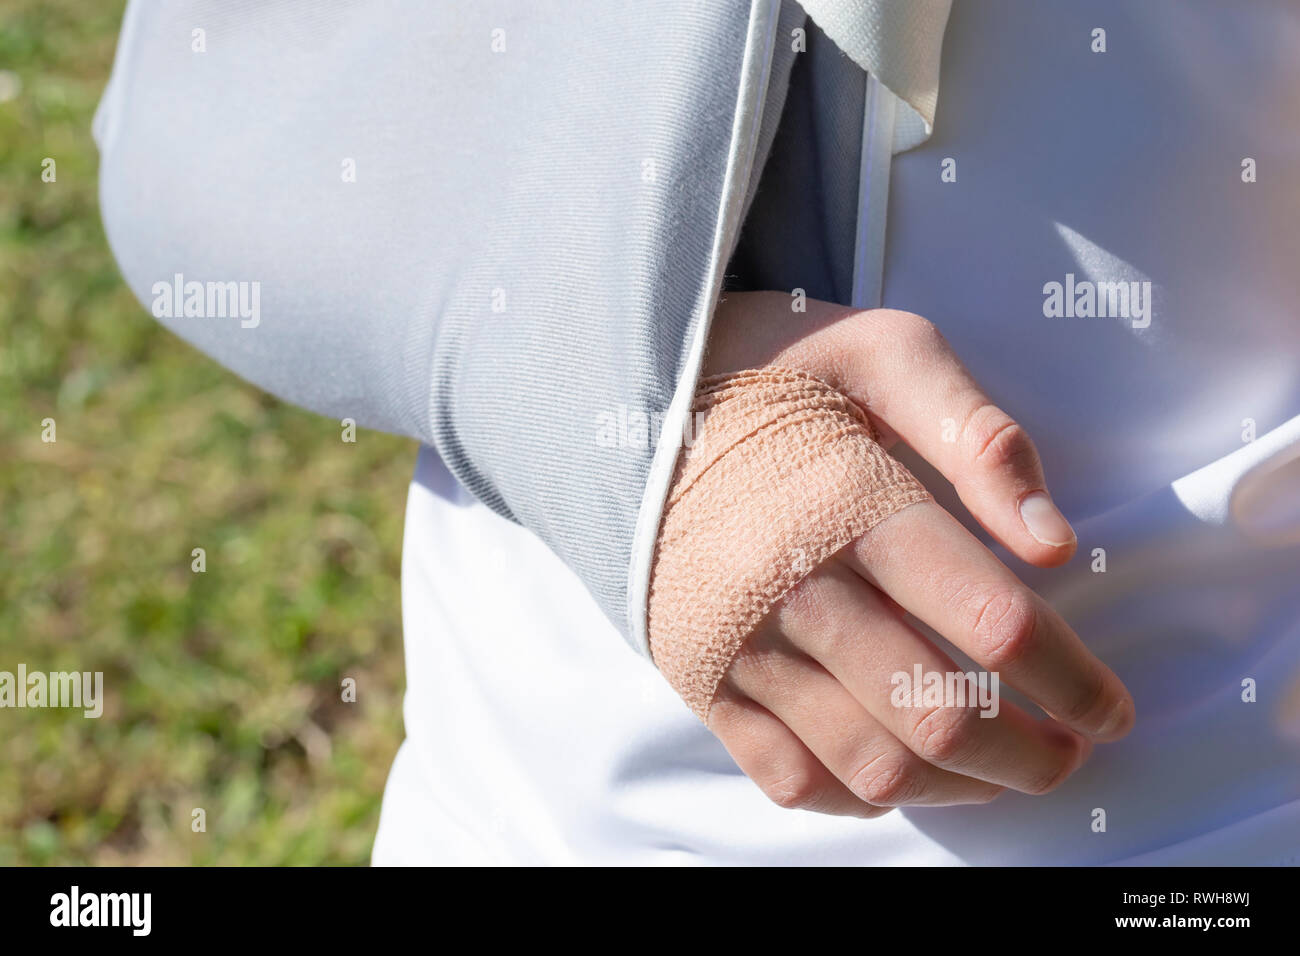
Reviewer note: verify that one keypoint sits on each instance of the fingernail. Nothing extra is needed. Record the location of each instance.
(1043, 521)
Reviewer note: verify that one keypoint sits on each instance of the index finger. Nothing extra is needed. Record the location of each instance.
(937, 571)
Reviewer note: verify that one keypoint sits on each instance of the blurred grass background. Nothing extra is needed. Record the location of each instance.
(222, 689)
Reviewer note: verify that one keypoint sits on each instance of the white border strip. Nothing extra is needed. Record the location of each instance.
(755, 71)
(873, 195)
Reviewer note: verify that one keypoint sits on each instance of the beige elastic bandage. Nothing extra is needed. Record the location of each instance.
(783, 472)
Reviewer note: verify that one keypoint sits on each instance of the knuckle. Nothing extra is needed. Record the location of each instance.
(796, 790)
(1004, 626)
(996, 442)
(916, 332)
(944, 735)
(885, 781)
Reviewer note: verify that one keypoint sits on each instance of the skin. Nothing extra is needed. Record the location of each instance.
(805, 707)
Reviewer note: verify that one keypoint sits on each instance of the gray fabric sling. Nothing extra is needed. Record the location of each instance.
(491, 226)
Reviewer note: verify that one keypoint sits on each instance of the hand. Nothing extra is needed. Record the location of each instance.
(805, 708)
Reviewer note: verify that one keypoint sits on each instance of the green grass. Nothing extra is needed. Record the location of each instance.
(222, 688)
